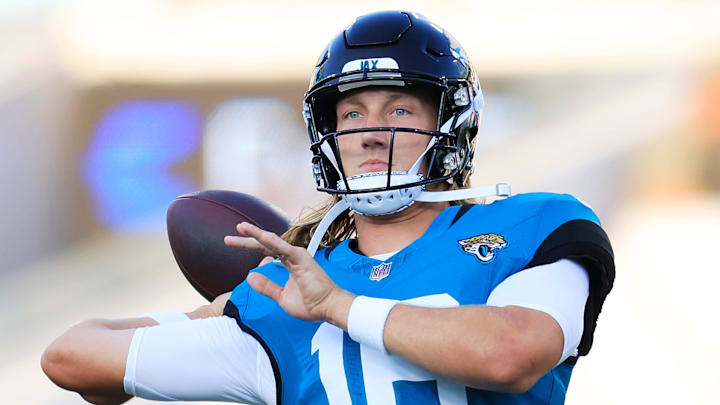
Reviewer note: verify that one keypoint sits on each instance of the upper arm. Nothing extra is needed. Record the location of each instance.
(586, 243)
(209, 359)
(559, 289)
(563, 229)
(203, 359)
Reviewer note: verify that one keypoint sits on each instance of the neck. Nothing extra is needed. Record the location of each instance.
(389, 233)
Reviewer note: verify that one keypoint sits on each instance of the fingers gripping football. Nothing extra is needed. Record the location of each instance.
(251, 242)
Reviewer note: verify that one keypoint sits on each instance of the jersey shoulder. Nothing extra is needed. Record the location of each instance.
(537, 214)
(529, 225)
(531, 213)
(551, 207)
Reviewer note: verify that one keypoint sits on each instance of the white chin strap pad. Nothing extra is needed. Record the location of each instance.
(499, 190)
(381, 202)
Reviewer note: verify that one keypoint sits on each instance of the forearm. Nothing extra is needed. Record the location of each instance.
(500, 349)
(493, 348)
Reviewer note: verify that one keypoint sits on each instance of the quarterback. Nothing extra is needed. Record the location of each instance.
(402, 288)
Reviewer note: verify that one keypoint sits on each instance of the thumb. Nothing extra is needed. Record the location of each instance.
(264, 286)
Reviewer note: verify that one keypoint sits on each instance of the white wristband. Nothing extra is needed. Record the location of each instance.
(169, 316)
(366, 321)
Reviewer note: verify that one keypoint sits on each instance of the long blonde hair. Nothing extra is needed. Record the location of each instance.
(343, 227)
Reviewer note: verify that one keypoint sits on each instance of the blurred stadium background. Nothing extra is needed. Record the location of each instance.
(110, 109)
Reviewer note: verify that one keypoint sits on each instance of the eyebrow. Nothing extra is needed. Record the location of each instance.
(353, 99)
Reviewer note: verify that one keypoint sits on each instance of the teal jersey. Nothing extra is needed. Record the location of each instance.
(464, 254)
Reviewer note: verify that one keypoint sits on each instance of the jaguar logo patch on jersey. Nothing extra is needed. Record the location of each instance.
(380, 271)
(484, 246)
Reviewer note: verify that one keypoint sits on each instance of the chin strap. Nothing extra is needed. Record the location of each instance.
(323, 226)
(499, 190)
(416, 166)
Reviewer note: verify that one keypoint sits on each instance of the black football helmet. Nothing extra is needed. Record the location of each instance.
(395, 48)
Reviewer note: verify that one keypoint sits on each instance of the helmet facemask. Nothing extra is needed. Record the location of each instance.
(447, 148)
(396, 175)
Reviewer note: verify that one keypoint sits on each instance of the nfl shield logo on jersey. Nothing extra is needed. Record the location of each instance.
(380, 271)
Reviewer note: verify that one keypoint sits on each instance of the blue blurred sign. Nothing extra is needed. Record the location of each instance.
(128, 164)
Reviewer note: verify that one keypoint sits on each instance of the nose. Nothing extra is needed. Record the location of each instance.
(375, 139)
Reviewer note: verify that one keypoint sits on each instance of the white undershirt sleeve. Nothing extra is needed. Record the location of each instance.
(212, 359)
(209, 359)
(559, 289)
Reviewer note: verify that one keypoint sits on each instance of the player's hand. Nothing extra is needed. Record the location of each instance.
(217, 306)
(309, 293)
(266, 260)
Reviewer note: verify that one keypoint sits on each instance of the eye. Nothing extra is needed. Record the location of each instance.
(400, 112)
(352, 115)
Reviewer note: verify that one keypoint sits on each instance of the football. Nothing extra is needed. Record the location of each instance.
(197, 224)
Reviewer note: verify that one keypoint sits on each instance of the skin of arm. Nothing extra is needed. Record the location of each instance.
(90, 357)
(494, 348)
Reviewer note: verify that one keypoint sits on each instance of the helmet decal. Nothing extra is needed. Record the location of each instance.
(370, 64)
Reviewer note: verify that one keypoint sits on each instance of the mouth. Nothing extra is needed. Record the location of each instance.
(373, 165)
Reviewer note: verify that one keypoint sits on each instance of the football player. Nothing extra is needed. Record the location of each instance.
(401, 289)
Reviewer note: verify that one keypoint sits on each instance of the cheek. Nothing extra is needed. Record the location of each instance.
(347, 143)
(408, 147)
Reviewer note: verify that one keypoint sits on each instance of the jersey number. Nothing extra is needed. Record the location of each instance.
(355, 374)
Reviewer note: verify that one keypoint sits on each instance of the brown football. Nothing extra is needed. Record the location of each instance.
(198, 222)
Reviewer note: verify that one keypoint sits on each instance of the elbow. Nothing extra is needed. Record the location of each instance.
(54, 360)
(512, 370)
(515, 381)
(61, 361)
(57, 362)
(512, 378)
(51, 361)
(76, 362)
